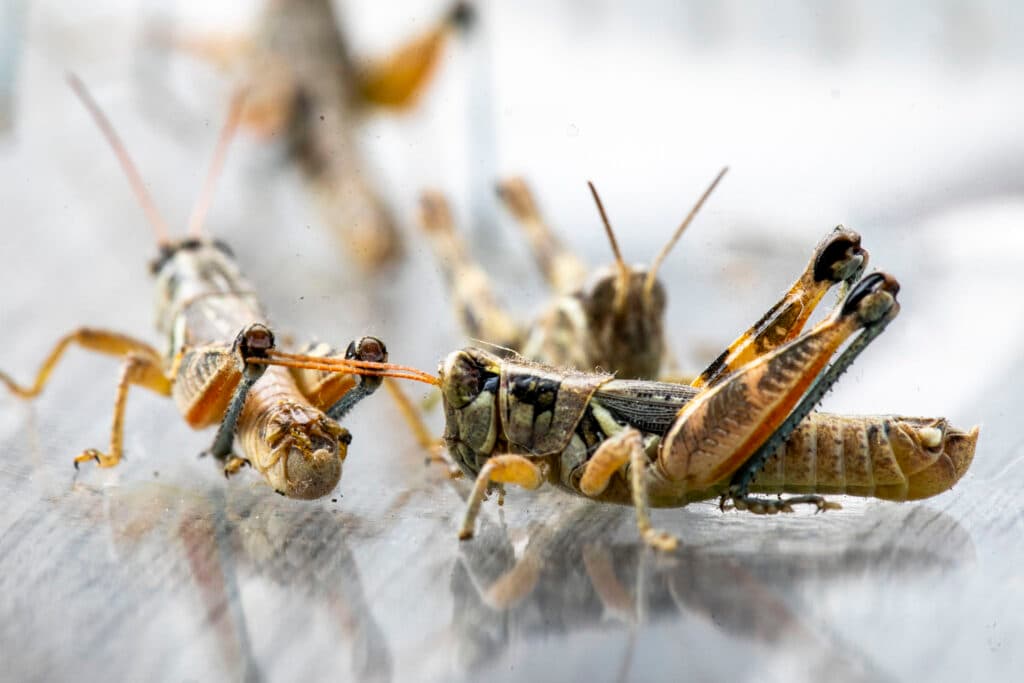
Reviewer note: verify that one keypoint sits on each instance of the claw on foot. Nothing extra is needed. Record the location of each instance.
(762, 506)
(234, 464)
(102, 459)
(660, 540)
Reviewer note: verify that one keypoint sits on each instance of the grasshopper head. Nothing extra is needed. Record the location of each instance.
(470, 379)
(624, 322)
(297, 448)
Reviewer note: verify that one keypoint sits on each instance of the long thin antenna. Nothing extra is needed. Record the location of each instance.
(159, 226)
(620, 290)
(198, 217)
(652, 274)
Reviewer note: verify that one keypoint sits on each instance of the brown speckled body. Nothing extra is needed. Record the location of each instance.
(560, 419)
(203, 300)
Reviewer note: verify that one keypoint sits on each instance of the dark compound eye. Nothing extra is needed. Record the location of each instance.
(350, 352)
(372, 349)
(255, 340)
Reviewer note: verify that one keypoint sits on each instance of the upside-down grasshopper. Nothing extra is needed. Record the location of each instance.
(286, 423)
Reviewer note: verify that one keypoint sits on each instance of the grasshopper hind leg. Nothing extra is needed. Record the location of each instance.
(876, 313)
(142, 367)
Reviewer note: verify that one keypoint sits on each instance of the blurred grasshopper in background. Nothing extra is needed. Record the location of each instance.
(749, 428)
(305, 85)
(286, 423)
(613, 318)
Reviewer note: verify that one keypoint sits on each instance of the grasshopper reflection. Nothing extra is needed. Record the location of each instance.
(286, 423)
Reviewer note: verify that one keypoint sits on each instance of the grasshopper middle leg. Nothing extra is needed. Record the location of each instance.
(626, 447)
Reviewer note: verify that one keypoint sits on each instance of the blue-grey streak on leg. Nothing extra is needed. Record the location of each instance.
(366, 386)
(225, 438)
(743, 477)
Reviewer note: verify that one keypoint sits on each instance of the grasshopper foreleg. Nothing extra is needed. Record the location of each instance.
(479, 311)
(499, 469)
(252, 342)
(139, 370)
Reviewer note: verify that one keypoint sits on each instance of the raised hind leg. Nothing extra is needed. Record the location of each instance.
(726, 433)
(837, 258)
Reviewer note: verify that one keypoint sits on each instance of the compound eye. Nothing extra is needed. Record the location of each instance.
(255, 340)
(463, 382)
(372, 349)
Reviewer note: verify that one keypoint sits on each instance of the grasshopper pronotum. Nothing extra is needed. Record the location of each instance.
(286, 423)
(661, 444)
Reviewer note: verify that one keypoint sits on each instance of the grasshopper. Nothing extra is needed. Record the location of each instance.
(660, 444)
(306, 86)
(286, 424)
(613, 318)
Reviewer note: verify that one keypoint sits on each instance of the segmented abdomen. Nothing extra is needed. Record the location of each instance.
(889, 457)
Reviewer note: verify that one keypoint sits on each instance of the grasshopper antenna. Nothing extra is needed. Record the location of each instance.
(159, 226)
(344, 365)
(198, 217)
(652, 274)
(620, 263)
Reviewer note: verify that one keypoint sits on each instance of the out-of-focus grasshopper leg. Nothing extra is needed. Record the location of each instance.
(434, 446)
(142, 366)
(837, 258)
(724, 431)
(478, 308)
(563, 270)
(398, 79)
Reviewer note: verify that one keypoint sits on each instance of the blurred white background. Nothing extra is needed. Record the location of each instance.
(901, 121)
